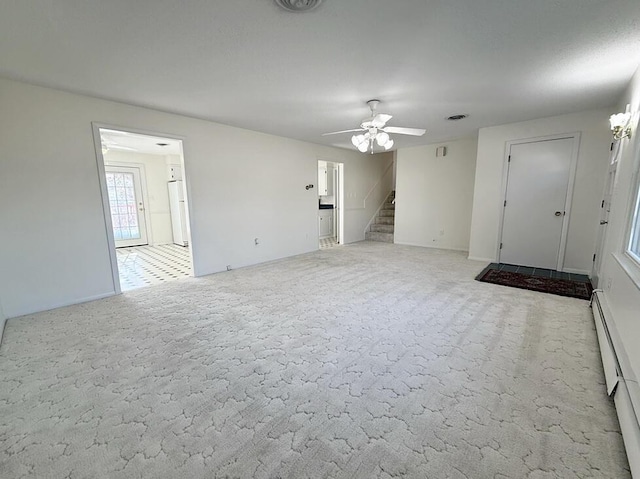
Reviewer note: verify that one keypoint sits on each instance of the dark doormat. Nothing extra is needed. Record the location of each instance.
(578, 287)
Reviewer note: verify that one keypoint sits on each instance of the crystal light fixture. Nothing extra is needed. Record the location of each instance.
(620, 125)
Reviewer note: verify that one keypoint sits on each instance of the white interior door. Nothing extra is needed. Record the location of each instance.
(127, 208)
(535, 203)
(605, 208)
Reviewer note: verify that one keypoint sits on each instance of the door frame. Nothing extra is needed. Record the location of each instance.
(102, 180)
(144, 192)
(338, 203)
(567, 206)
(603, 227)
(609, 185)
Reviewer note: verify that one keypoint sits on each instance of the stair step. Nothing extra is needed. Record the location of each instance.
(384, 220)
(384, 212)
(389, 206)
(382, 237)
(382, 228)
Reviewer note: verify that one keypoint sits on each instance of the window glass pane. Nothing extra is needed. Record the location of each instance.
(122, 202)
(634, 243)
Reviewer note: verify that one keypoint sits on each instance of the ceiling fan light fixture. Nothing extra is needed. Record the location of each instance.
(375, 132)
(382, 138)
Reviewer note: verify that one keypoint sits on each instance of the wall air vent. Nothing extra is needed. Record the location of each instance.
(298, 5)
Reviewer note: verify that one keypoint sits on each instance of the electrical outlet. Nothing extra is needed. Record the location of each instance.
(256, 241)
(228, 267)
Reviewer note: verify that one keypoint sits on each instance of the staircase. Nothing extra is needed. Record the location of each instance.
(382, 227)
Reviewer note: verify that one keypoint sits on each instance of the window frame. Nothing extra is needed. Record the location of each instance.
(633, 224)
(628, 260)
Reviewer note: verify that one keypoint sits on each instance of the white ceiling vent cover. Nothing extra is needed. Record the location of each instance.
(298, 5)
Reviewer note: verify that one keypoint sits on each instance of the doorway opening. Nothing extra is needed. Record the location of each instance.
(145, 206)
(330, 204)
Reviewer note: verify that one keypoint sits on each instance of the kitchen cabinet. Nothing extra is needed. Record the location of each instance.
(174, 173)
(326, 180)
(325, 223)
(322, 180)
(330, 179)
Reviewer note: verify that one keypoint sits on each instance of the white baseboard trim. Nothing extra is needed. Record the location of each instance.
(628, 426)
(86, 299)
(429, 246)
(627, 391)
(478, 258)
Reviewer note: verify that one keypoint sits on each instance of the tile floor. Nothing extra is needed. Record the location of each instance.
(148, 265)
(328, 243)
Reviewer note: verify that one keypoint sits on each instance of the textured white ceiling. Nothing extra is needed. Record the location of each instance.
(249, 64)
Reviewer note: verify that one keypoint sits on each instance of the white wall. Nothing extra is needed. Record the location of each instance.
(154, 172)
(622, 288)
(241, 185)
(434, 195)
(592, 166)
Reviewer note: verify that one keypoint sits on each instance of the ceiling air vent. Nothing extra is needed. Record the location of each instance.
(456, 117)
(298, 5)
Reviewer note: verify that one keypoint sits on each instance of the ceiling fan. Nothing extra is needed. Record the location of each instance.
(375, 130)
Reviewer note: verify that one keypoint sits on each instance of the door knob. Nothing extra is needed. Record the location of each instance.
(558, 213)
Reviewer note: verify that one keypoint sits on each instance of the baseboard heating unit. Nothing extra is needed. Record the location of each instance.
(621, 382)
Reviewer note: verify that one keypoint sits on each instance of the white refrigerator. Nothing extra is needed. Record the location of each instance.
(178, 216)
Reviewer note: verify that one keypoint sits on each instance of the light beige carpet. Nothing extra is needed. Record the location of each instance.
(365, 361)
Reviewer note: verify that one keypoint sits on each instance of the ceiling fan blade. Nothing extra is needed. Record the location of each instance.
(343, 131)
(404, 131)
(380, 120)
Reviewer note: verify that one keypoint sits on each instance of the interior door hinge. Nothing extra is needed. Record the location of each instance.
(594, 257)
(500, 245)
(602, 205)
(611, 147)
(505, 202)
(509, 161)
